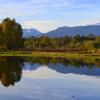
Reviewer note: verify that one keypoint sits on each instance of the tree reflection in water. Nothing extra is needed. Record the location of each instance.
(87, 66)
(75, 62)
(11, 67)
(10, 70)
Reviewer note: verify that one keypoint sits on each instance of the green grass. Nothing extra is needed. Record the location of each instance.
(48, 54)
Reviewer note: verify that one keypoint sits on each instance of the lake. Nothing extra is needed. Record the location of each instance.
(33, 78)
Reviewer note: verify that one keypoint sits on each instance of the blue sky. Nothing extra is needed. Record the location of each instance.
(46, 15)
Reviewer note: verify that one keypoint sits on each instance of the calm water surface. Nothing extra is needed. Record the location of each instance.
(49, 78)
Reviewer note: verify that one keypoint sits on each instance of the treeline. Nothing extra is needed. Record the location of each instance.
(10, 35)
(75, 43)
(11, 39)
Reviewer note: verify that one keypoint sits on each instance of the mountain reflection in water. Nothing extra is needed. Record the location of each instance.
(11, 67)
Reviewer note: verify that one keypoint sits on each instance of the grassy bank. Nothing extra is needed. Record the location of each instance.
(48, 54)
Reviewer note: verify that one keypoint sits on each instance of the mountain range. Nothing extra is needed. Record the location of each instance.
(63, 31)
(31, 32)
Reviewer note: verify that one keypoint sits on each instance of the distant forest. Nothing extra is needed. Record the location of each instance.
(11, 39)
(77, 43)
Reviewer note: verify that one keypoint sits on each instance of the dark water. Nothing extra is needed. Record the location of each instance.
(49, 78)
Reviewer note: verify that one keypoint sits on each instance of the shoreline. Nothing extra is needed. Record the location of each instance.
(49, 54)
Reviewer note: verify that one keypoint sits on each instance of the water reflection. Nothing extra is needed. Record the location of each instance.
(11, 67)
(77, 62)
(10, 70)
(85, 66)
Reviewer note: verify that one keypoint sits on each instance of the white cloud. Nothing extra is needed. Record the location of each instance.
(43, 25)
(90, 21)
(48, 25)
